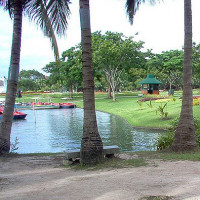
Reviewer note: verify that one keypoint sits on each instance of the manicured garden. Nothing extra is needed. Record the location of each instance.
(153, 113)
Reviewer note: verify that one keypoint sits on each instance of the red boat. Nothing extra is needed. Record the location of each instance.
(67, 105)
(19, 115)
(16, 115)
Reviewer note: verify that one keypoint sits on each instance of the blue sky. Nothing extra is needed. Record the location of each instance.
(159, 26)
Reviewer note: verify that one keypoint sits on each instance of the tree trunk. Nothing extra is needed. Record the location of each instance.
(114, 95)
(6, 121)
(170, 85)
(109, 96)
(185, 133)
(91, 144)
(70, 92)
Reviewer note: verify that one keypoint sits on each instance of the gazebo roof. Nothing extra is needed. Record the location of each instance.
(150, 79)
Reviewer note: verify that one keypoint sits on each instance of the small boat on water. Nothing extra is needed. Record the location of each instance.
(37, 106)
(16, 115)
(45, 106)
(19, 115)
(67, 105)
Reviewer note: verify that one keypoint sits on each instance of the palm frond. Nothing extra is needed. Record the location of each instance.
(133, 5)
(7, 5)
(4, 2)
(40, 11)
(131, 8)
(58, 11)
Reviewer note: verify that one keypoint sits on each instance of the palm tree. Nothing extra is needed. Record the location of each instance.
(91, 145)
(50, 15)
(184, 139)
(185, 132)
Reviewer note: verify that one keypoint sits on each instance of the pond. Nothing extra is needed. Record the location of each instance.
(55, 130)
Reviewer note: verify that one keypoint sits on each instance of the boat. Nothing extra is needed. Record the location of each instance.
(67, 105)
(16, 115)
(19, 115)
(45, 106)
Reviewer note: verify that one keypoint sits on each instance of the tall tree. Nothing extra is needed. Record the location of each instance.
(6, 121)
(196, 64)
(169, 65)
(50, 15)
(115, 55)
(91, 145)
(185, 132)
(30, 80)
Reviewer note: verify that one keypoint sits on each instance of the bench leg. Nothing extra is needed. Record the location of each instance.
(109, 155)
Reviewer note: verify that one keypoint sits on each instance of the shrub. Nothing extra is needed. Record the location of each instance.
(150, 104)
(196, 102)
(140, 104)
(14, 146)
(161, 111)
(165, 141)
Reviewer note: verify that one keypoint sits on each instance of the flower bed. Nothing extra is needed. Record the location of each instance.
(150, 99)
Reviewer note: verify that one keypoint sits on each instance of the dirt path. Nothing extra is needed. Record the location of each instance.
(42, 178)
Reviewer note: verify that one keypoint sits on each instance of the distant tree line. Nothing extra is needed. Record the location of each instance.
(119, 64)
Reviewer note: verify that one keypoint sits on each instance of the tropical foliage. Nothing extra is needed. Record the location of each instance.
(50, 16)
(165, 141)
(123, 74)
(31, 80)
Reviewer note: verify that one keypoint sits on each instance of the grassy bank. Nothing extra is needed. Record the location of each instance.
(126, 107)
(129, 109)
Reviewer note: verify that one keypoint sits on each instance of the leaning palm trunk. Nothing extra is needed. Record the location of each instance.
(6, 121)
(185, 133)
(91, 145)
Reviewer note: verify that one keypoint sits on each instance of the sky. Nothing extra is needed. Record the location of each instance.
(161, 27)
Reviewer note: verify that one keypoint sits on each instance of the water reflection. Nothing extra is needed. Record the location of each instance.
(61, 129)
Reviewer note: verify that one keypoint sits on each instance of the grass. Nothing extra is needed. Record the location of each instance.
(111, 163)
(142, 156)
(11, 154)
(126, 107)
(139, 159)
(133, 159)
(129, 109)
(169, 155)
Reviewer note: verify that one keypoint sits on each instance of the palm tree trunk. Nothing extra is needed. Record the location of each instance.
(6, 121)
(185, 133)
(91, 145)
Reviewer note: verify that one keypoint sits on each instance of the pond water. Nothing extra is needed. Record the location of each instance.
(55, 130)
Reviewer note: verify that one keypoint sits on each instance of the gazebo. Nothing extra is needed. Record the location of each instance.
(150, 85)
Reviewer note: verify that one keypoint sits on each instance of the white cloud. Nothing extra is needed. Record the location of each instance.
(159, 26)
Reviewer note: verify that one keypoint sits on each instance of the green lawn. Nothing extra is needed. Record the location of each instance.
(127, 107)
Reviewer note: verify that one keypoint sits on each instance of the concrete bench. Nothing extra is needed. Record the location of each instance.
(108, 152)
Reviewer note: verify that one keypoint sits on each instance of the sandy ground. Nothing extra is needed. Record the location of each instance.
(43, 178)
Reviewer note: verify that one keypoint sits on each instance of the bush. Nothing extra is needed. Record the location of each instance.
(165, 141)
(196, 102)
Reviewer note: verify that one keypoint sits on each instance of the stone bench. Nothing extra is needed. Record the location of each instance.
(74, 154)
